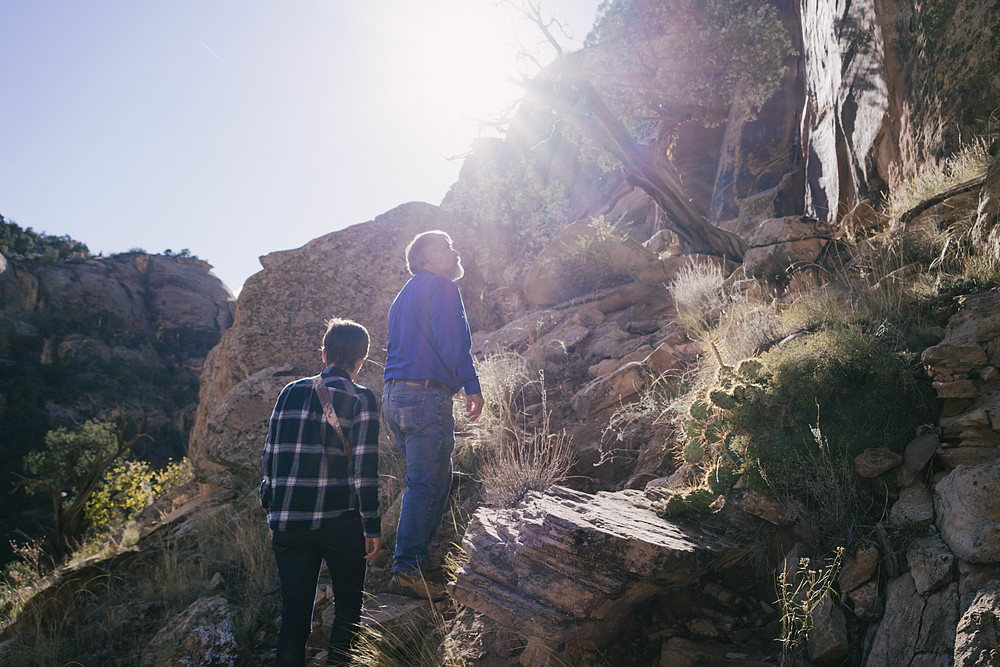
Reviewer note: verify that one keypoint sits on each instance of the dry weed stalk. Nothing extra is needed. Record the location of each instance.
(524, 457)
(802, 592)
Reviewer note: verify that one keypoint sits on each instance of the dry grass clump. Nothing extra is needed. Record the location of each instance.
(509, 450)
(528, 463)
(935, 177)
(523, 457)
(505, 380)
(698, 293)
(417, 641)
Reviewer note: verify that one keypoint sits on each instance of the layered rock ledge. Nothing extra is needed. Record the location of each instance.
(565, 567)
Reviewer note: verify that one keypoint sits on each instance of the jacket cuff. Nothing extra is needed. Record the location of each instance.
(372, 527)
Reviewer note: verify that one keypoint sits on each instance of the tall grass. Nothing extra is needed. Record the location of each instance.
(935, 177)
(522, 454)
(111, 618)
(507, 385)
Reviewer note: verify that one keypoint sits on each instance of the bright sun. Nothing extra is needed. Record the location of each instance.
(457, 60)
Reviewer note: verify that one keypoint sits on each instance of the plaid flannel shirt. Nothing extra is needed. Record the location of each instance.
(307, 477)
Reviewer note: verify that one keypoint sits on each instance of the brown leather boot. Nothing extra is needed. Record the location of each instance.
(415, 586)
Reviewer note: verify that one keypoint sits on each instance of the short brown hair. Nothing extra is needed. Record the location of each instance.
(345, 343)
(416, 252)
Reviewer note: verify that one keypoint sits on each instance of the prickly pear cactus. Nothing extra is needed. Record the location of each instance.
(706, 428)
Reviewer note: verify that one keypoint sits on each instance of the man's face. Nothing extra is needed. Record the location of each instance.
(444, 260)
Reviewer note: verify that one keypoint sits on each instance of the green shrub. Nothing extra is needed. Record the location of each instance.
(863, 393)
(762, 420)
(126, 489)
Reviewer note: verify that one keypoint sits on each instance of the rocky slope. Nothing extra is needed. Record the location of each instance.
(875, 91)
(853, 117)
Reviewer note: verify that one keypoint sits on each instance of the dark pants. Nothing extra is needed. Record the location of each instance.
(299, 555)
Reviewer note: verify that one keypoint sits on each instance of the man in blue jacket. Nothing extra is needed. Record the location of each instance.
(428, 361)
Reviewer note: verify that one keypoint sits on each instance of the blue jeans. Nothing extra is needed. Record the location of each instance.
(423, 425)
(299, 554)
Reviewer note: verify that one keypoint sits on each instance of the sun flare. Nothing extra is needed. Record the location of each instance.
(457, 60)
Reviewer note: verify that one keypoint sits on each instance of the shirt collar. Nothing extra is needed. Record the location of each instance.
(333, 371)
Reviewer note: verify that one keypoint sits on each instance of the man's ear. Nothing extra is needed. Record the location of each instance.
(324, 356)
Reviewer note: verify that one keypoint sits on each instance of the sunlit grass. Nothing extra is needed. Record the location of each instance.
(935, 177)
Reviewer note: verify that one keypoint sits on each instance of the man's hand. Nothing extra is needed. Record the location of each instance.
(474, 406)
(372, 547)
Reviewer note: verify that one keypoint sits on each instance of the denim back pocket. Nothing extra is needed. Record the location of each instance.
(408, 408)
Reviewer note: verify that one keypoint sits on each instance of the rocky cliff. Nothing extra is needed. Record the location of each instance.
(83, 336)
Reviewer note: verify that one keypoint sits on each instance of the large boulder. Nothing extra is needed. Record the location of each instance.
(566, 567)
(585, 258)
(779, 245)
(354, 273)
(915, 629)
(968, 511)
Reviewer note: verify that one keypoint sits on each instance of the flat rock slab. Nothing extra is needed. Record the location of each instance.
(568, 566)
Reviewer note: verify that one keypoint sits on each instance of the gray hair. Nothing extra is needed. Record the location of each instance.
(416, 252)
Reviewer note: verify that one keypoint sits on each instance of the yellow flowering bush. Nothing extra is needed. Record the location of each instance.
(126, 489)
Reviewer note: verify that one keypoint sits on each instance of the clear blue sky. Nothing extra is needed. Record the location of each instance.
(234, 128)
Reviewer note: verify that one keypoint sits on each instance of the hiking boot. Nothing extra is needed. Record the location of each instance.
(415, 586)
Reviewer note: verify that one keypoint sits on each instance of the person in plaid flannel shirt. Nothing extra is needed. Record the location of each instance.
(320, 490)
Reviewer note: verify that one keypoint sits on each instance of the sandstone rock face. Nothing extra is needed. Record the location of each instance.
(872, 73)
(976, 642)
(232, 436)
(969, 512)
(566, 566)
(129, 331)
(779, 245)
(353, 273)
(847, 98)
(915, 629)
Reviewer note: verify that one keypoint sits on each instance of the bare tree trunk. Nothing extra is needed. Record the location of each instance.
(574, 97)
(577, 101)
